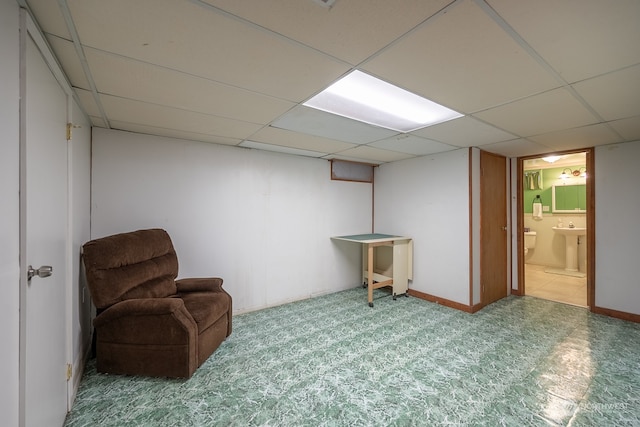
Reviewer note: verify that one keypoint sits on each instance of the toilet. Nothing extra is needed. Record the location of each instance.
(529, 241)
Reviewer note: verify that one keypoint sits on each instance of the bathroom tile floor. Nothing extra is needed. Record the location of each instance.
(555, 287)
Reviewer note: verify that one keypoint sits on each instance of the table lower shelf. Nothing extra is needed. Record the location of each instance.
(381, 281)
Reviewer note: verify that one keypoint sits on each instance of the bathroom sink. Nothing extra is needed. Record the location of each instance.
(575, 231)
(571, 245)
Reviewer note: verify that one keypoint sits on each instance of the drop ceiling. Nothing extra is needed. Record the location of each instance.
(529, 77)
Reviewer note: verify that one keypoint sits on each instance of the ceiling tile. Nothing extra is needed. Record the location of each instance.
(226, 71)
(578, 38)
(615, 95)
(582, 137)
(66, 54)
(371, 154)
(287, 138)
(125, 110)
(97, 122)
(198, 40)
(281, 149)
(159, 85)
(463, 60)
(628, 128)
(173, 133)
(315, 122)
(411, 144)
(54, 22)
(88, 102)
(544, 113)
(351, 30)
(465, 132)
(517, 148)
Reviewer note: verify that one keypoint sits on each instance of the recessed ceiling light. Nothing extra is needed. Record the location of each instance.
(368, 99)
(551, 159)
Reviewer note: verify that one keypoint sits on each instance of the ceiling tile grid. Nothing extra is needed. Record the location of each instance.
(546, 112)
(465, 132)
(529, 77)
(184, 36)
(159, 116)
(578, 38)
(158, 85)
(296, 140)
(462, 59)
(614, 95)
(351, 30)
(412, 144)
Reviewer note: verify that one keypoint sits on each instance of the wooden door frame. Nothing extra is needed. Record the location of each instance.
(591, 222)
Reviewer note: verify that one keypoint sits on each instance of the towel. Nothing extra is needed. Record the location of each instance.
(537, 210)
(534, 180)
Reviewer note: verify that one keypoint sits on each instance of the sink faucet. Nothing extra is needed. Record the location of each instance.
(571, 224)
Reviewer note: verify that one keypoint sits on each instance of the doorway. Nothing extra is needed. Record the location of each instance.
(555, 227)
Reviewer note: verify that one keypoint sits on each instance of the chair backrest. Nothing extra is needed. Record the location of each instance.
(138, 264)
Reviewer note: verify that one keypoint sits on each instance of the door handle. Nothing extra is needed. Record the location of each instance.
(43, 271)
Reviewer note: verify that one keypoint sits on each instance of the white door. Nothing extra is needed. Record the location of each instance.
(43, 237)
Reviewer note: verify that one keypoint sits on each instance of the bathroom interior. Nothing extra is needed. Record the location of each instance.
(555, 223)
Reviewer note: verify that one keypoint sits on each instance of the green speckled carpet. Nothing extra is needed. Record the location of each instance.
(334, 361)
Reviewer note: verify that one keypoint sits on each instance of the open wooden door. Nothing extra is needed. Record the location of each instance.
(493, 227)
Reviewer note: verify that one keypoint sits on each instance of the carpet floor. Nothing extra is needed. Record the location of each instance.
(334, 361)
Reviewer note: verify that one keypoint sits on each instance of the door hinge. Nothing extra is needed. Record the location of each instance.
(70, 126)
(69, 371)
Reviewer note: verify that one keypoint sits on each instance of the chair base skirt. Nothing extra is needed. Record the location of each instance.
(211, 338)
(174, 361)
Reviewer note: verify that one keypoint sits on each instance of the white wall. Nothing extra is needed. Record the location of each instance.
(9, 212)
(427, 198)
(262, 221)
(550, 246)
(617, 231)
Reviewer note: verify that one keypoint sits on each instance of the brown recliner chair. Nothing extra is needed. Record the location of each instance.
(149, 323)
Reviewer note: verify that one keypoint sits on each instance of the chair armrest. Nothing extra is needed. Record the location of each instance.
(142, 307)
(147, 321)
(203, 284)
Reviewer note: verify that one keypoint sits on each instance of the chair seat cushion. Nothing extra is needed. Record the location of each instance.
(206, 307)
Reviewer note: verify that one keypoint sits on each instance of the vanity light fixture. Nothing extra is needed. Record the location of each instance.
(581, 172)
(564, 174)
(365, 98)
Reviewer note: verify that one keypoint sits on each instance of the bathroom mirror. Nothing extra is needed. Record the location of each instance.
(569, 198)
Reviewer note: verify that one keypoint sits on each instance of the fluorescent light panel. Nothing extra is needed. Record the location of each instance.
(365, 98)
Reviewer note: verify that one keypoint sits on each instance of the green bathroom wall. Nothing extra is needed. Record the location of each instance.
(549, 177)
